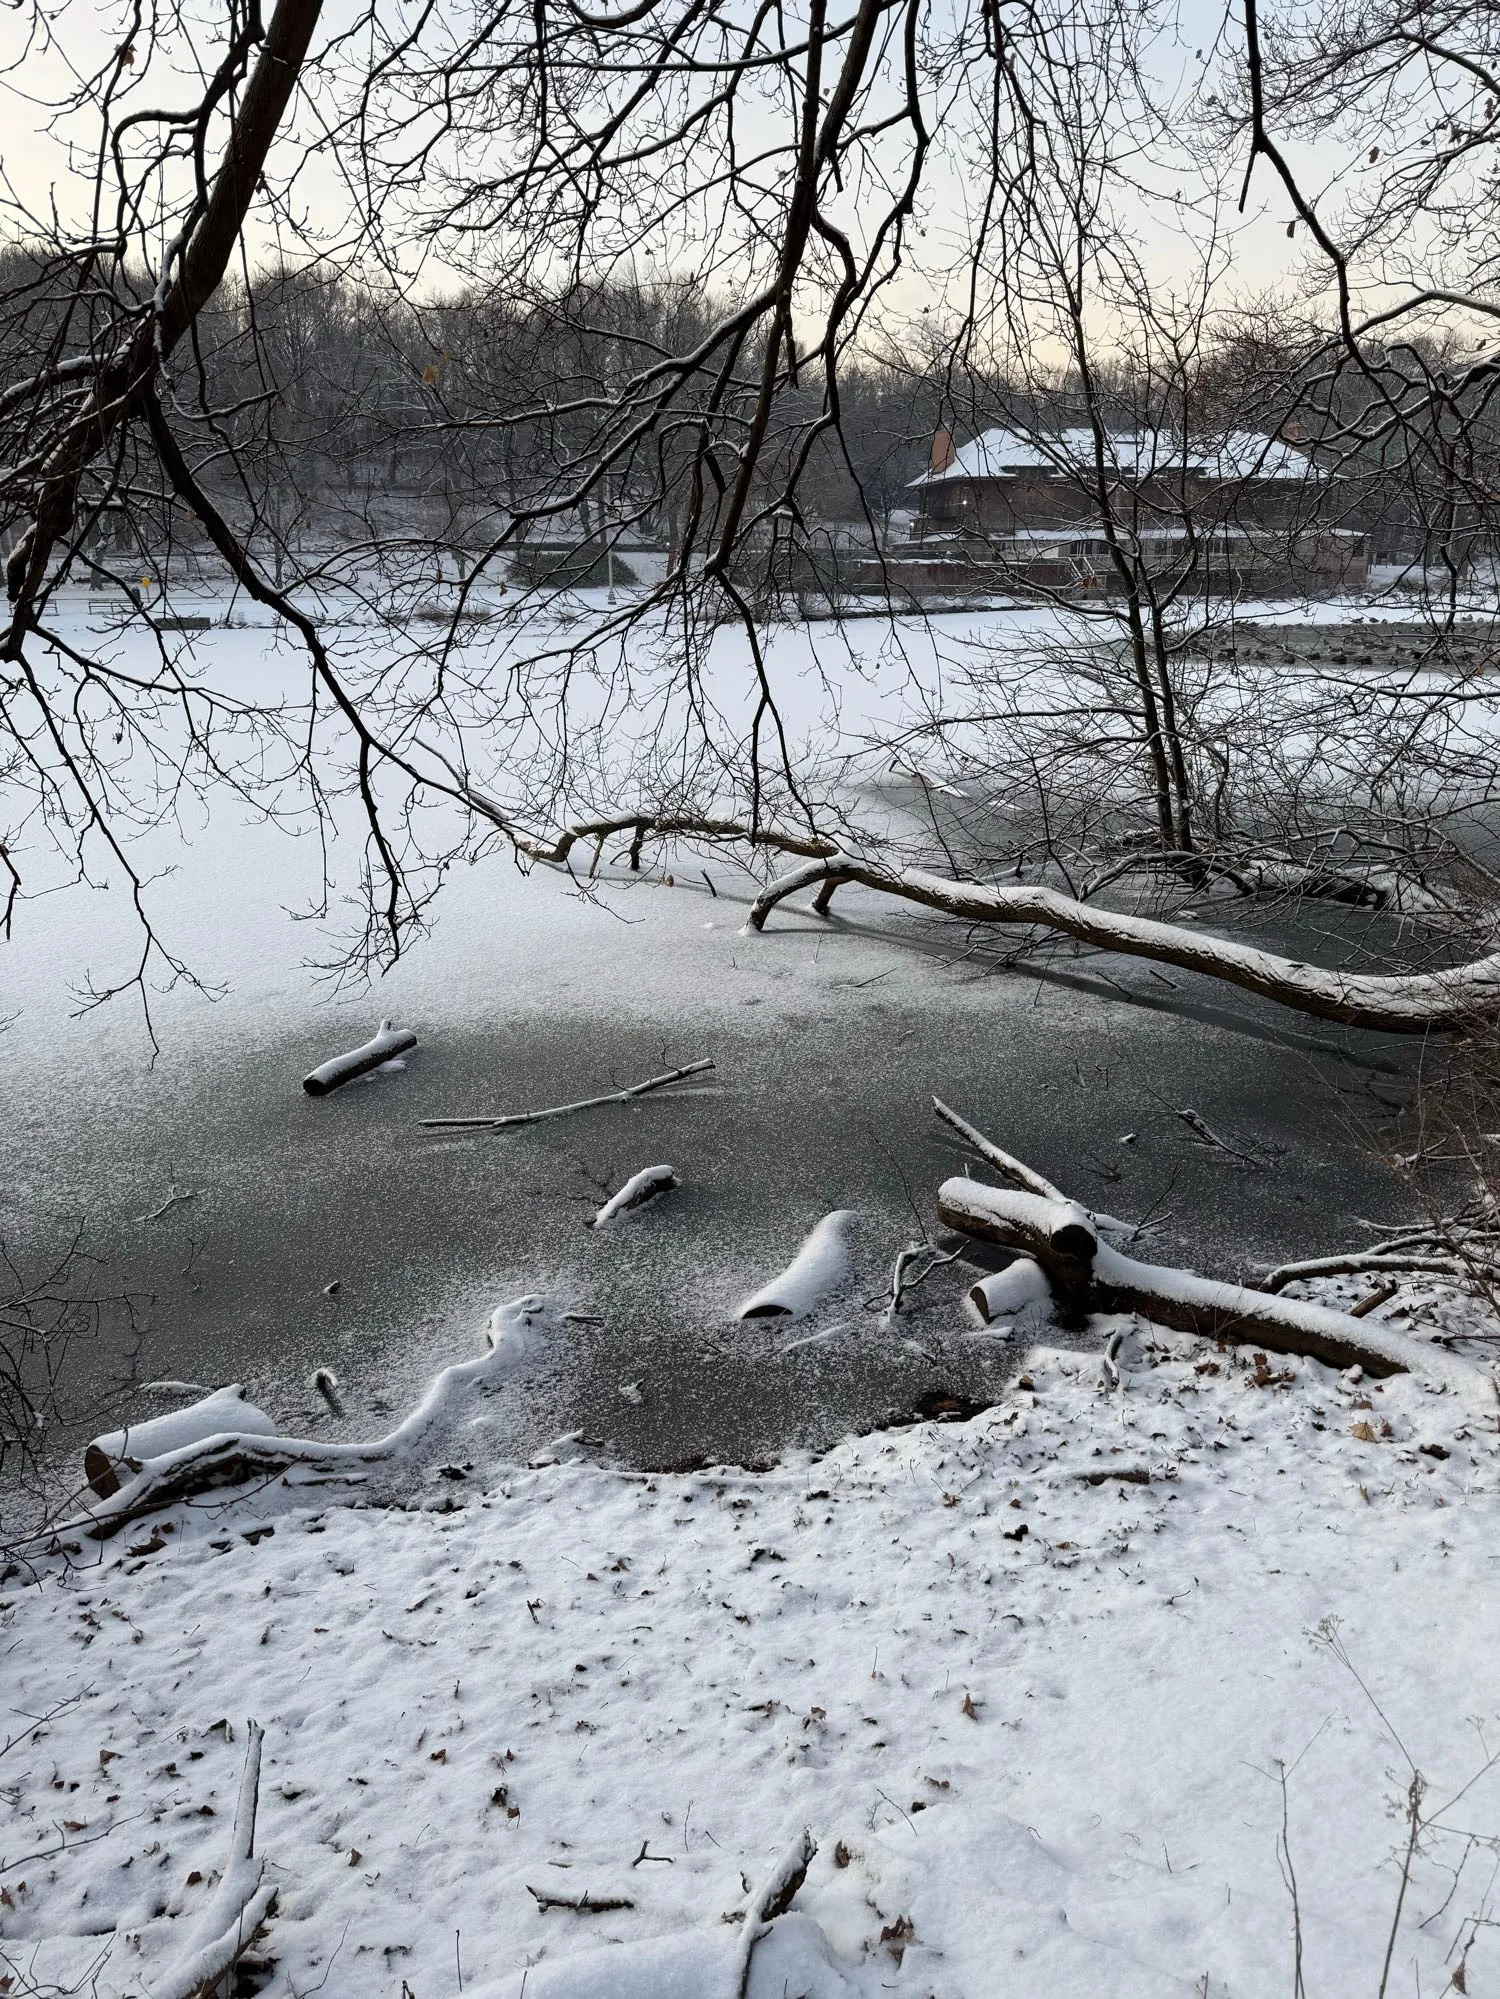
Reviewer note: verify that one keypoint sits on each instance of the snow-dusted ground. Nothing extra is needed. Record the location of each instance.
(1030, 1681)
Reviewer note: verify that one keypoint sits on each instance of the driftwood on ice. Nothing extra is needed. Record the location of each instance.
(640, 1189)
(1088, 1275)
(120, 1454)
(384, 1045)
(233, 1456)
(818, 1268)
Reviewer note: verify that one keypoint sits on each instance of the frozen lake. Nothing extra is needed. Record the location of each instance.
(828, 1038)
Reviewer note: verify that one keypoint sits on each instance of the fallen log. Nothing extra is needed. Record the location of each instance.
(384, 1045)
(818, 1268)
(120, 1454)
(1401, 1003)
(1012, 1293)
(235, 1457)
(1087, 1275)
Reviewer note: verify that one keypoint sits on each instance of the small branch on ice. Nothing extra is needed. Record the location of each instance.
(585, 1904)
(1208, 1136)
(901, 1283)
(647, 1185)
(173, 1200)
(1010, 1168)
(564, 1110)
(383, 1045)
(326, 1382)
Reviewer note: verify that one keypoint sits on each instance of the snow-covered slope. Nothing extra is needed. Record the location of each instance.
(1031, 1681)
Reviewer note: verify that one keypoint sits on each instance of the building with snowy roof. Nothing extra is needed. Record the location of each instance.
(1240, 508)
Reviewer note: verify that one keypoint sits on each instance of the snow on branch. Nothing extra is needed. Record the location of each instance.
(1403, 1003)
(239, 1906)
(1087, 1275)
(199, 1463)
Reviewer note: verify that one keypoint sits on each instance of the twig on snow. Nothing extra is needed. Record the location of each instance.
(774, 1899)
(239, 1906)
(584, 1904)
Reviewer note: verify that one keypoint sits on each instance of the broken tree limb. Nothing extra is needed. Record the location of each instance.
(1020, 1289)
(1003, 1162)
(1104, 1280)
(1357, 1262)
(775, 1897)
(120, 1454)
(565, 1110)
(239, 1905)
(383, 1046)
(1401, 1003)
(818, 1268)
(1057, 1235)
(640, 1189)
(235, 1458)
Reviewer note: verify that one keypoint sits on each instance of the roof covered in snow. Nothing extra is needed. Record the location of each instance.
(1236, 454)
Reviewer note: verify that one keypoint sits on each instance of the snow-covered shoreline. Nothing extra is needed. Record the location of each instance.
(1026, 1679)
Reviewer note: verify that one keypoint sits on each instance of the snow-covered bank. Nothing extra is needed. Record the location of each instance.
(1027, 1680)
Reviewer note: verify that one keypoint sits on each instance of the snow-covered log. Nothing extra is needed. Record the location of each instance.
(1019, 1291)
(639, 1189)
(1102, 1279)
(384, 1045)
(232, 1457)
(120, 1454)
(1408, 1003)
(818, 1268)
(1058, 1235)
(239, 1906)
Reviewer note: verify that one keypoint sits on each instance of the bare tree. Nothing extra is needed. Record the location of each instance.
(670, 240)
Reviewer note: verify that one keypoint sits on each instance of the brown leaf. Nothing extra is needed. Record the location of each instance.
(1364, 1431)
(194, 1878)
(967, 1707)
(438, 1756)
(355, 1856)
(897, 1935)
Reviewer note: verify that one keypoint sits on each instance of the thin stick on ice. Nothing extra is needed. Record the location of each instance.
(564, 1110)
(384, 1045)
(819, 1267)
(643, 1187)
